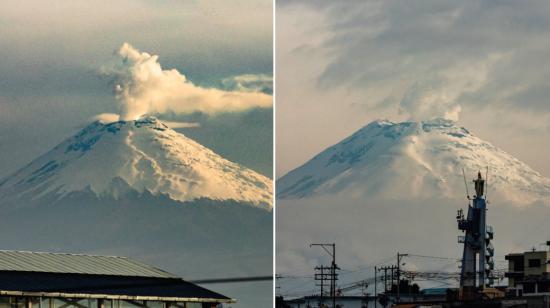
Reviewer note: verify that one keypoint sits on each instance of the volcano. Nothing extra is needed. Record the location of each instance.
(141, 155)
(142, 190)
(412, 160)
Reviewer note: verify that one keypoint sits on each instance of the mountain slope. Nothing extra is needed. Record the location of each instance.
(141, 155)
(412, 159)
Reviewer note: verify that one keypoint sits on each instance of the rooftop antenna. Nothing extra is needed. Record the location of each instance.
(465, 184)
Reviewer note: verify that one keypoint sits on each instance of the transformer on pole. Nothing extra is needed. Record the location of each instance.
(477, 258)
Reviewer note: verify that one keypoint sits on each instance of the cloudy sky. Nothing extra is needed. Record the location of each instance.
(342, 64)
(58, 63)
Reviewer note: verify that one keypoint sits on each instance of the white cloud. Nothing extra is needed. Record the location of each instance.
(106, 118)
(249, 83)
(174, 124)
(143, 87)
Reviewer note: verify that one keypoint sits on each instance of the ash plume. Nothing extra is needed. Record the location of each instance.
(142, 87)
(437, 95)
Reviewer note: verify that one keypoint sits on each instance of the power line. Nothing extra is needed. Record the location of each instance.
(434, 257)
(232, 280)
(282, 276)
(441, 277)
(368, 266)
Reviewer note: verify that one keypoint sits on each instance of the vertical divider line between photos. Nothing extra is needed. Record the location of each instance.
(274, 157)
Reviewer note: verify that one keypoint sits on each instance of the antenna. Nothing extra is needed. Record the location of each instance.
(486, 183)
(465, 184)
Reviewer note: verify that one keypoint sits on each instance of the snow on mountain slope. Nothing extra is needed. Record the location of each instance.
(412, 159)
(143, 155)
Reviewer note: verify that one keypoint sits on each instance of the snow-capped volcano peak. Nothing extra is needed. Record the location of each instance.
(142, 155)
(412, 159)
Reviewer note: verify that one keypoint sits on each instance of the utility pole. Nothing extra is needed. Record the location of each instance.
(375, 289)
(331, 250)
(385, 269)
(391, 281)
(322, 275)
(399, 256)
(322, 280)
(391, 269)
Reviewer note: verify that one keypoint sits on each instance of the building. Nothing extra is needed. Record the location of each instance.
(31, 279)
(529, 273)
(425, 298)
(315, 301)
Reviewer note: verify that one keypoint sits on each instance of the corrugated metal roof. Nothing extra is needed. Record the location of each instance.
(76, 264)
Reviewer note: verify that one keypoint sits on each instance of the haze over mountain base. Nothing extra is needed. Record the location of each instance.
(368, 231)
(197, 240)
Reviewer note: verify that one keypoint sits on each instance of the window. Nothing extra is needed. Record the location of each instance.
(518, 265)
(534, 263)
